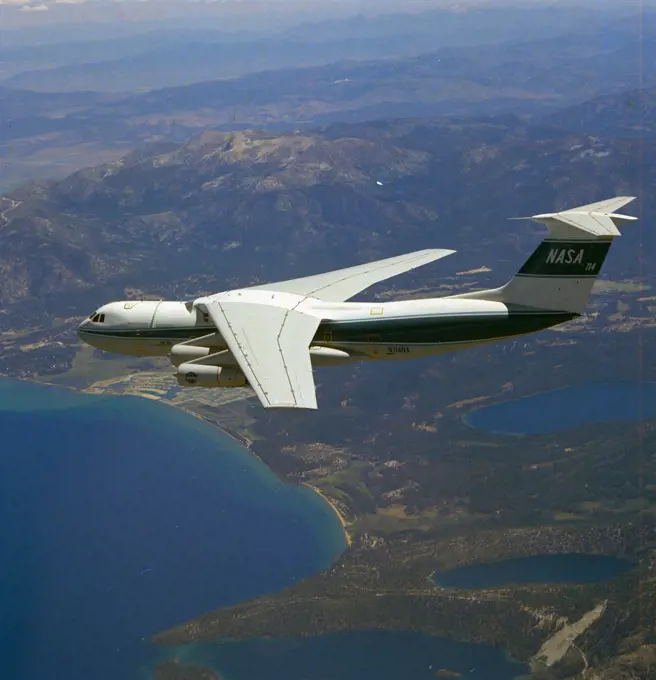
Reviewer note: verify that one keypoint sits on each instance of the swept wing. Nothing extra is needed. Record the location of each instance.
(270, 335)
(342, 284)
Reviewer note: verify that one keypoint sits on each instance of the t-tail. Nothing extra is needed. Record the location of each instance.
(560, 274)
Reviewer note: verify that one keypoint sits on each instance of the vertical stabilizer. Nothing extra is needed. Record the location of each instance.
(560, 273)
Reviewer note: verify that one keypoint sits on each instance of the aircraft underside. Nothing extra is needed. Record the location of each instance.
(335, 342)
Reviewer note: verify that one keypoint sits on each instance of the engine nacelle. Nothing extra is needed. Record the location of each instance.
(201, 375)
(328, 356)
(181, 353)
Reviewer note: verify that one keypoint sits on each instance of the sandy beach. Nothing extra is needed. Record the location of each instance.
(341, 518)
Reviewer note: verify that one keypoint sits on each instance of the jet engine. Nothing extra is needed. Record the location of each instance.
(202, 375)
(182, 352)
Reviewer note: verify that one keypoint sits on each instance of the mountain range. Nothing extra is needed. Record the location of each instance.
(160, 56)
(51, 134)
(232, 208)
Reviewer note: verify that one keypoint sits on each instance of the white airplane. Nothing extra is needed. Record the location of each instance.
(270, 336)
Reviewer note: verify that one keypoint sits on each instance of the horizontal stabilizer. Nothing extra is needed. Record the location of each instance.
(597, 219)
(561, 272)
(342, 284)
(610, 205)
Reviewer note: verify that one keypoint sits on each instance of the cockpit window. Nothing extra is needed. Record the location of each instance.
(97, 318)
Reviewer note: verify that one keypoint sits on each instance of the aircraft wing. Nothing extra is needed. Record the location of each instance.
(342, 284)
(272, 347)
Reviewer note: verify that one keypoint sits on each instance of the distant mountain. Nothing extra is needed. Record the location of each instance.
(229, 209)
(186, 62)
(627, 115)
(491, 24)
(525, 77)
(21, 57)
(528, 79)
(169, 57)
(18, 105)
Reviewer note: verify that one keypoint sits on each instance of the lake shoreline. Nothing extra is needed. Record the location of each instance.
(246, 443)
(600, 401)
(239, 439)
(166, 494)
(340, 517)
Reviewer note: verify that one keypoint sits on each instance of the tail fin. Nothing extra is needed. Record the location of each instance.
(560, 274)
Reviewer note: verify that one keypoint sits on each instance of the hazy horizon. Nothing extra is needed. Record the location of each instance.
(238, 15)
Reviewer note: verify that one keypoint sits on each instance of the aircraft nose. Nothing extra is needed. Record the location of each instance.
(81, 331)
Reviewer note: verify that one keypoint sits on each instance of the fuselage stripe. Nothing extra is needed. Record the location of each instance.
(420, 330)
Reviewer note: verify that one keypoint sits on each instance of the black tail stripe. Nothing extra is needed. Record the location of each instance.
(567, 258)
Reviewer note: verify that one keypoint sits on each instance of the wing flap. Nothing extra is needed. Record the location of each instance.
(342, 284)
(271, 345)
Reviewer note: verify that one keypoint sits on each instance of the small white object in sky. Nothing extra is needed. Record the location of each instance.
(379, 183)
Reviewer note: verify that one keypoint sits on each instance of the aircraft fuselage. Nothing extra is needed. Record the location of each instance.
(357, 331)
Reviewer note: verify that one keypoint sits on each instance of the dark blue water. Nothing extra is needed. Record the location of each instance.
(371, 655)
(566, 568)
(567, 408)
(120, 517)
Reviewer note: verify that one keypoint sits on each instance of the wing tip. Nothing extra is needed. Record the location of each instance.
(438, 252)
(289, 407)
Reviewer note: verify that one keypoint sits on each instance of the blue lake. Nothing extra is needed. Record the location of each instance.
(368, 655)
(567, 408)
(121, 517)
(565, 568)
